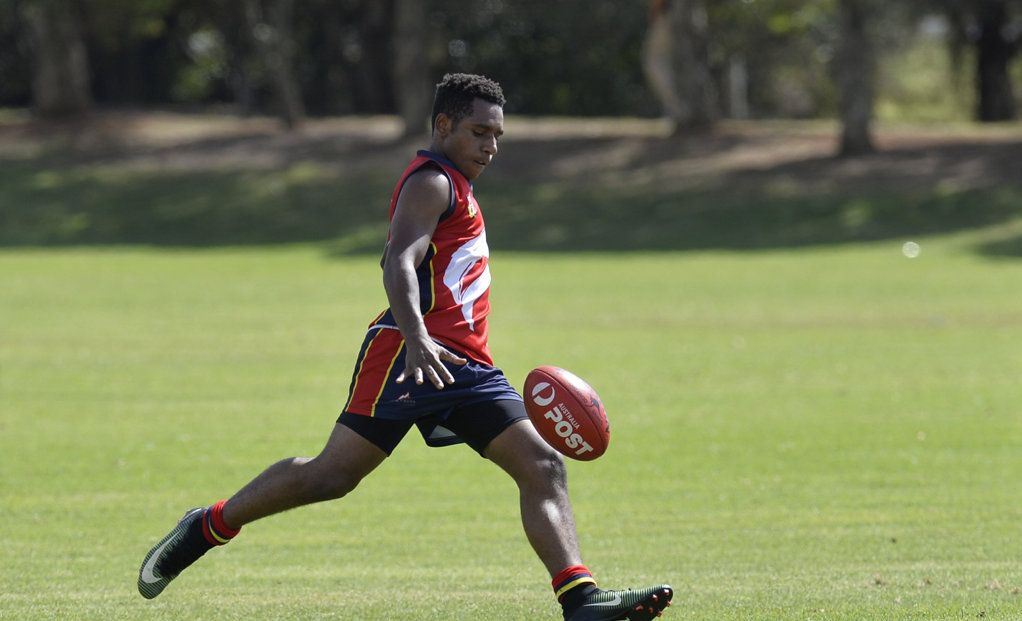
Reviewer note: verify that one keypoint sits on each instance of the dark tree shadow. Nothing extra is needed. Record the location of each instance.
(727, 190)
(1010, 248)
(46, 207)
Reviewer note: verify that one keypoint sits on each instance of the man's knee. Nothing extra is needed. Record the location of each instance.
(545, 469)
(342, 464)
(326, 481)
(530, 461)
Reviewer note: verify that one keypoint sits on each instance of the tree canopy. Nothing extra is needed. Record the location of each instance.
(766, 58)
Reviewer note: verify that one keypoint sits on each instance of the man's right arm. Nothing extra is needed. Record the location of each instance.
(423, 199)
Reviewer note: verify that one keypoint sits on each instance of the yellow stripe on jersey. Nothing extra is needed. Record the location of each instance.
(432, 281)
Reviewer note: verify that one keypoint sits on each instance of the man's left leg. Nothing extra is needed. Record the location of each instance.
(543, 494)
(547, 516)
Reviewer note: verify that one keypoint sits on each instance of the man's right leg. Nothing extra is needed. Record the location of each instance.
(345, 460)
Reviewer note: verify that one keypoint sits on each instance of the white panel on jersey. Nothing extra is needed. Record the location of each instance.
(462, 262)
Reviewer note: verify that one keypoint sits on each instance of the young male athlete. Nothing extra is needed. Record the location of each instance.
(425, 362)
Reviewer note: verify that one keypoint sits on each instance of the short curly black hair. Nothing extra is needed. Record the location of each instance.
(456, 92)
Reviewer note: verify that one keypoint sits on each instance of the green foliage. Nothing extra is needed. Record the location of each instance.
(569, 58)
(917, 83)
(566, 58)
(787, 45)
(196, 82)
(116, 24)
(15, 56)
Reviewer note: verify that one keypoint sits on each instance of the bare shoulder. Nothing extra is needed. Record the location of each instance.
(427, 191)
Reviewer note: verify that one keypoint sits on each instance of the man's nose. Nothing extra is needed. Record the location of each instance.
(490, 146)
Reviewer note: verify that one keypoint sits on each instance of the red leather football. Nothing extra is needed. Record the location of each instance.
(567, 413)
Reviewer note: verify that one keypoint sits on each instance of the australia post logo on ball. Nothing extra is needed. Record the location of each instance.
(564, 423)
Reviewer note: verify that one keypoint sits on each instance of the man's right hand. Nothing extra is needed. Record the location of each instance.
(424, 360)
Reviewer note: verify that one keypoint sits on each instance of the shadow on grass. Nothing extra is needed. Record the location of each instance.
(46, 206)
(44, 202)
(717, 219)
(1010, 248)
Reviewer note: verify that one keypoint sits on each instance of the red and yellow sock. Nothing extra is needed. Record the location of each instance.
(214, 529)
(572, 583)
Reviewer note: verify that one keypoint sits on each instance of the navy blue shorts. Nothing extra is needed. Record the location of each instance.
(474, 409)
(476, 425)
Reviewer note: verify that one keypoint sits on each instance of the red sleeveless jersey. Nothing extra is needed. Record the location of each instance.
(454, 276)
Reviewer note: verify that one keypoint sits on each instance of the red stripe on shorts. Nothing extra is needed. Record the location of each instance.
(373, 371)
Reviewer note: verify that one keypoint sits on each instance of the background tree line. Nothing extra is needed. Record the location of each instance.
(695, 60)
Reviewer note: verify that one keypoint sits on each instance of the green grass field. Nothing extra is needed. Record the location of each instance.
(807, 425)
(831, 432)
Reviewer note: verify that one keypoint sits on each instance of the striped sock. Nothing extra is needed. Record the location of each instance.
(572, 586)
(214, 529)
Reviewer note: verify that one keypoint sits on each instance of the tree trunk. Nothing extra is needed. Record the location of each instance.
(854, 70)
(738, 88)
(374, 72)
(276, 45)
(411, 69)
(658, 62)
(692, 62)
(993, 79)
(239, 43)
(60, 86)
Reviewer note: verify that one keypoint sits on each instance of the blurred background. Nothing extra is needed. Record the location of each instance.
(188, 122)
(695, 60)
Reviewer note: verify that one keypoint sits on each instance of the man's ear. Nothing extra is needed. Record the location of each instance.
(443, 124)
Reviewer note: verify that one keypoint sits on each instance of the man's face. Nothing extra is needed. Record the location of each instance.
(472, 142)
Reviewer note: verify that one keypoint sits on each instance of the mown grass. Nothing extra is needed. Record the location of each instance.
(806, 423)
(825, 432)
